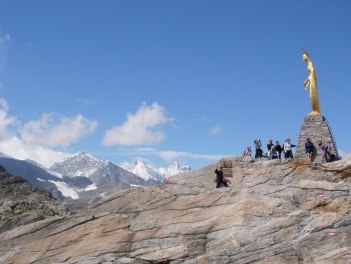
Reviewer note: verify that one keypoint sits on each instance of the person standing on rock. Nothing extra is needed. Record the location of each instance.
(258, 144)
(278, 148)
(287, 149)
(309, 149)
(247, 152)
(220, 178)
(269, 145)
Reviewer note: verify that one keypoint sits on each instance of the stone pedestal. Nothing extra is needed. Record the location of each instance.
(315, 127)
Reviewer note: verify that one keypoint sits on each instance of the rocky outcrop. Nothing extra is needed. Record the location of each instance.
(22, 203)
(273, 211)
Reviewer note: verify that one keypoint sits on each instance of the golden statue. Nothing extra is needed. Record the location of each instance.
(312, 83)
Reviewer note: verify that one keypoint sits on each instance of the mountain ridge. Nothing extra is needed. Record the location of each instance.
(82, 177)
(84, 164)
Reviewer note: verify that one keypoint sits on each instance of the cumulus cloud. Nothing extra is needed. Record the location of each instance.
(141, 128)
(53, 130)
(18, 149)
(35, 139)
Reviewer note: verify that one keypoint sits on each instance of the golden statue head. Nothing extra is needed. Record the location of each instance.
(305, 56)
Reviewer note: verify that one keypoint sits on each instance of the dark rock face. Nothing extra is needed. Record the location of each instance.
(35, 175)
(316, 128)
(22, 203)
(277, 211)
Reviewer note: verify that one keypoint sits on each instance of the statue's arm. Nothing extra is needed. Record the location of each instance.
(306, 83)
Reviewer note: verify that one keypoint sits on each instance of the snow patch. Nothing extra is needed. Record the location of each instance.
(90, 187)
(58, 175)
(66, 190)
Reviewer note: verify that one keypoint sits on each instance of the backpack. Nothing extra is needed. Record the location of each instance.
(332, 157)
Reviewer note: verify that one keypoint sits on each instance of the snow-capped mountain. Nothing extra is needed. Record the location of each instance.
(99, 172)
(81, 179)
(173, 168)
(147, 171)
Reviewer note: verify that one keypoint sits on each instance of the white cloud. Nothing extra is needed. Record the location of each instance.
(344, 154)
(36, 138)
(142, 128)
(216, 130)
(172, 155)
(53, 130)
(6, 121)
(85, 101)
(169, 155)
(16, 148)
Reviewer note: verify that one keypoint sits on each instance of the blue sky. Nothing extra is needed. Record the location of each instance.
(192, 81)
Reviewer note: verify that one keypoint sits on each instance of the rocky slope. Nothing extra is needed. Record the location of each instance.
(272, 212)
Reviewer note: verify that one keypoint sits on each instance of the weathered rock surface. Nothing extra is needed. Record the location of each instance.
(273, 212)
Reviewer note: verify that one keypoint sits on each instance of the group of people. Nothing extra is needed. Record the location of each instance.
(324, 149)
(274, 151)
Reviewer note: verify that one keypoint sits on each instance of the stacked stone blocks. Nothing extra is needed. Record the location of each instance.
(316, 128)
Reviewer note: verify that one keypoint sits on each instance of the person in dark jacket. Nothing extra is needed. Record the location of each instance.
(309, 149)
(269, 145)
(220, 178)
(259, 152)
(279, 149)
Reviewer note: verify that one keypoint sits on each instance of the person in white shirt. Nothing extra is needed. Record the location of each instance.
(287, 149)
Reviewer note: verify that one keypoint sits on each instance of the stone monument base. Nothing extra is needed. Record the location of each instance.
(316, 128)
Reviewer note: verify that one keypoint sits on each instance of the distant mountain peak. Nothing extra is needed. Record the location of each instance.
(79, 164)
(83, 154)
(98, 171)
(147, 171)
